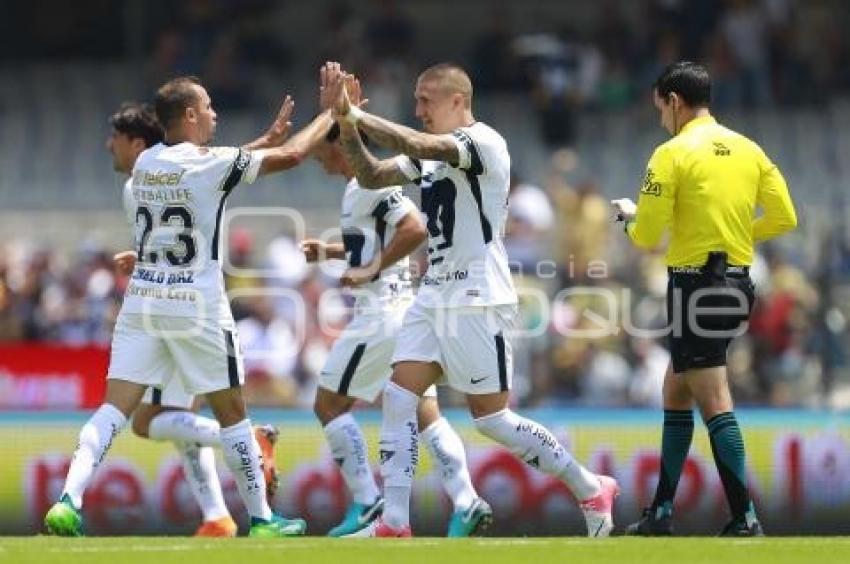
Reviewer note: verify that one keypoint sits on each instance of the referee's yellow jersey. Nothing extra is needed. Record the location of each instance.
(704, 185)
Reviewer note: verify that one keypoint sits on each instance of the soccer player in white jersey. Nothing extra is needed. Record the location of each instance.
(458, 327)
(176, 319)
(380, 228)
(168, 413)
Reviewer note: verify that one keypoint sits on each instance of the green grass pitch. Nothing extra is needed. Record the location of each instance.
(165, 550)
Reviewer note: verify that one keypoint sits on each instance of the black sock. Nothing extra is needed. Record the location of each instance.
(727, 445)
(676, 438)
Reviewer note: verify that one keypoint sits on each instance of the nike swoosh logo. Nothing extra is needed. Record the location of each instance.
(476, 381)
(369, 515)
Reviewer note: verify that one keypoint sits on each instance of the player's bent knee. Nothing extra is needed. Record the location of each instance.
(427, 413)
(228, 406)
(414, 376)
(140, 426)
(495, 426)
(329, 405)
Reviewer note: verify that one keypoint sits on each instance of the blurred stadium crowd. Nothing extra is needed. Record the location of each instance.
(762, 53)
(582, 291)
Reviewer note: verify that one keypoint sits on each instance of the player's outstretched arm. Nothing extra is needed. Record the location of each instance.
(370, 171)
(294, 151)
(278, 131)
(316, 250)
(338, 89)
(401, 139)
(388, 134)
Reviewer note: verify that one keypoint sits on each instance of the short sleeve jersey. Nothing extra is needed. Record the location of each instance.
(466, 204)
(368, 223)
(175, 202)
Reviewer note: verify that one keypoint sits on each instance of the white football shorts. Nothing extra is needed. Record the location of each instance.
(358, 365)
(152, 350)
(172, 395)
(471, 344)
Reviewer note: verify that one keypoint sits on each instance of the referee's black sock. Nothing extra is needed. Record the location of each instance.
(676, 438)
(727, 444)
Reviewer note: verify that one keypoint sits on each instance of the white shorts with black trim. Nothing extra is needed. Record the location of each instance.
(172, 395)
(358, 365)
(202, 355)
(471, 344)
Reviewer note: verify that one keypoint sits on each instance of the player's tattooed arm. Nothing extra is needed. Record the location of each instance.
(370, 171)
(401, 139)
(278, 131)
(344, 90)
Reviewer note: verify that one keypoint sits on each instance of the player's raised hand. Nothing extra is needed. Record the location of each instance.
(330, 79)
(334, 89)
(280, 128)
(354, 91)
(313, 249)
(359, 275)
(124, 262)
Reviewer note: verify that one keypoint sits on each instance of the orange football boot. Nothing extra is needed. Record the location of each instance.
(266, 436)
(224, 527)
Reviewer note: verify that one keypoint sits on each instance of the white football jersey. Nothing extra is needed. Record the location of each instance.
(175, 204)
(368, 222)
(467, 206)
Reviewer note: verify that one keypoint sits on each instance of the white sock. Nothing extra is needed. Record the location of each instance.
(185, 426)
(351, 454)
(399, 452)
(96, 437)
(536, 446)
(200, 472)
(446, 448)
(245, 462)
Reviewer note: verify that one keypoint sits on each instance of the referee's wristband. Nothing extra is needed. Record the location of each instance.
(354, 115)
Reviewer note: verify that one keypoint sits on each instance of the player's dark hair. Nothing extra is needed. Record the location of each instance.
(333, 134)
(174, 97)
(137, 121)
(689, 80)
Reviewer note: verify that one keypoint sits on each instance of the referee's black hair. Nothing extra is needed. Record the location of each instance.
(333, 134)
(137, 121)
(689, 80)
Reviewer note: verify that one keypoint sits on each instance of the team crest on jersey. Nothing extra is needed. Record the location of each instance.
(242, 160)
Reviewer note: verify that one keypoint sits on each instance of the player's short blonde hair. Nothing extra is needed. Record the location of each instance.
(451, 78)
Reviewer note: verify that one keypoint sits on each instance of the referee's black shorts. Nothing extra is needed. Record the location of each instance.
(705, 313)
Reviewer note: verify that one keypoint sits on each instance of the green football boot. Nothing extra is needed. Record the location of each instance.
(64, 519)
(277, 526)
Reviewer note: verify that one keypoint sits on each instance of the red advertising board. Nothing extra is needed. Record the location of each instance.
(38, 376)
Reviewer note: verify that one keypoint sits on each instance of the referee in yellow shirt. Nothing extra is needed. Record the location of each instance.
(704, 185)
